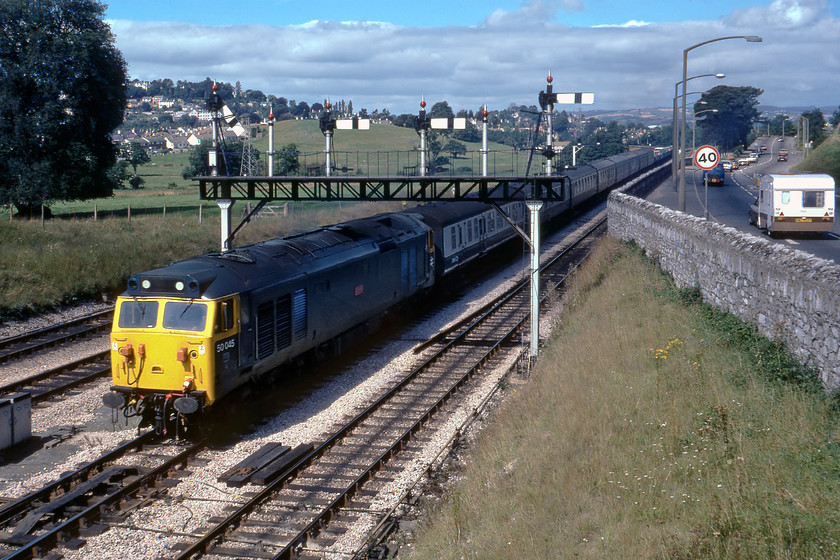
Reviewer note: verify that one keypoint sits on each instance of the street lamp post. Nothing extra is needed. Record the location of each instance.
(694, 126)
(576, 149)
(749, 39)
(677, 158)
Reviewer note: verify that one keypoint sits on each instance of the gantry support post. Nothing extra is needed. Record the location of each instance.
(534, 206)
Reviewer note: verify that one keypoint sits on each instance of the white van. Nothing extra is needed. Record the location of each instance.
(794, 203)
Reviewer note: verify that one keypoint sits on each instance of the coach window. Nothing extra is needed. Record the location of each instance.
(453, 240)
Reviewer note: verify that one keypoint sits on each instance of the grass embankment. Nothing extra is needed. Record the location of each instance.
(824, 159)
(653, 427)
(67, 260)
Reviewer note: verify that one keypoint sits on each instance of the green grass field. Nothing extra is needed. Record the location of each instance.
(652, 427)
(384, 150)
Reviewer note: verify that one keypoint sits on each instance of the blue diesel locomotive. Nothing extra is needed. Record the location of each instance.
(186, 335)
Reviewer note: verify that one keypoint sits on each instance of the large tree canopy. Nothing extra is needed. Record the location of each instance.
(62, 92)
(735, 113)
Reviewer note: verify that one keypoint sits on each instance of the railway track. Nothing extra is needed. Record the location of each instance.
(308, 504)
(305, 508)
(79, 503)
(58, 380)
(16, 347)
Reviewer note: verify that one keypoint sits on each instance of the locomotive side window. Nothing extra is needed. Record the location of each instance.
(224, 316)
(265, 330)
(138, 314)
(184, 316)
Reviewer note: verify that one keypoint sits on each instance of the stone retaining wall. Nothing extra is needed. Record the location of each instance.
(788, 294)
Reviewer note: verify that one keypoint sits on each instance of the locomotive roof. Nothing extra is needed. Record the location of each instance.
(218, 274)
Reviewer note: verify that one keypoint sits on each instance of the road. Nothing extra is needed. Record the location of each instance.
(728, 204)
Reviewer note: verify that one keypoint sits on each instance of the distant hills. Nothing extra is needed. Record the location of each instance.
(662, 116)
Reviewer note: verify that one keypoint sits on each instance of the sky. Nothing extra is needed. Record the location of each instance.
(390, 54)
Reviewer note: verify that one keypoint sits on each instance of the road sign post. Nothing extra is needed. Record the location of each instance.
(706, 158)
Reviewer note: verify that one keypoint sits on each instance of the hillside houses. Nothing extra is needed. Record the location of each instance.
(180, 140)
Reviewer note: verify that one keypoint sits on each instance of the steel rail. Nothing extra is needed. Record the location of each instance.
(201, 546)
(71, 526)
(22, 338)
(66, 482)
(64, 369)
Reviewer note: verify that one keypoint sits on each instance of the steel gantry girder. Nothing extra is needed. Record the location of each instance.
(500, 189)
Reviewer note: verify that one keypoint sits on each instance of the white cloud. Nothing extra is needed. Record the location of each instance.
(781, 14)
(505, 60)
(631, 23)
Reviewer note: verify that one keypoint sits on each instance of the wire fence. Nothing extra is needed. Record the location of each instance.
(500, 163)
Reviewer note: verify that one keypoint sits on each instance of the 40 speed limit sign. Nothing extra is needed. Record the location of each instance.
(706, 157)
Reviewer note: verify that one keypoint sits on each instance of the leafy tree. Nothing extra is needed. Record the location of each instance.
(229, 160)
(454, 148)
(816, 126)
(406, 120)
(441, 109)
(135, 155)
(286, 160)
(736, 111)
(470, 134)
(119, 173)
(835, 118)
(62, 92)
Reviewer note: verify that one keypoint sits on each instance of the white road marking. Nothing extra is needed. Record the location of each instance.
(792, 242)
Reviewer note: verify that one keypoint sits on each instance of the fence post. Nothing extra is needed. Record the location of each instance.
(164, 210)
(129, 214)
(200, 211)
(94, 213)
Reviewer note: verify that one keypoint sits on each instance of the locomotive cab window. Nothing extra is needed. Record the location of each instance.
(138, 314)
(184, 316)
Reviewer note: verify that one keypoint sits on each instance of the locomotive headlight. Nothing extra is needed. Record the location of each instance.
(179, 286)
(115, 346)
(202, 350)
(146, 284)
